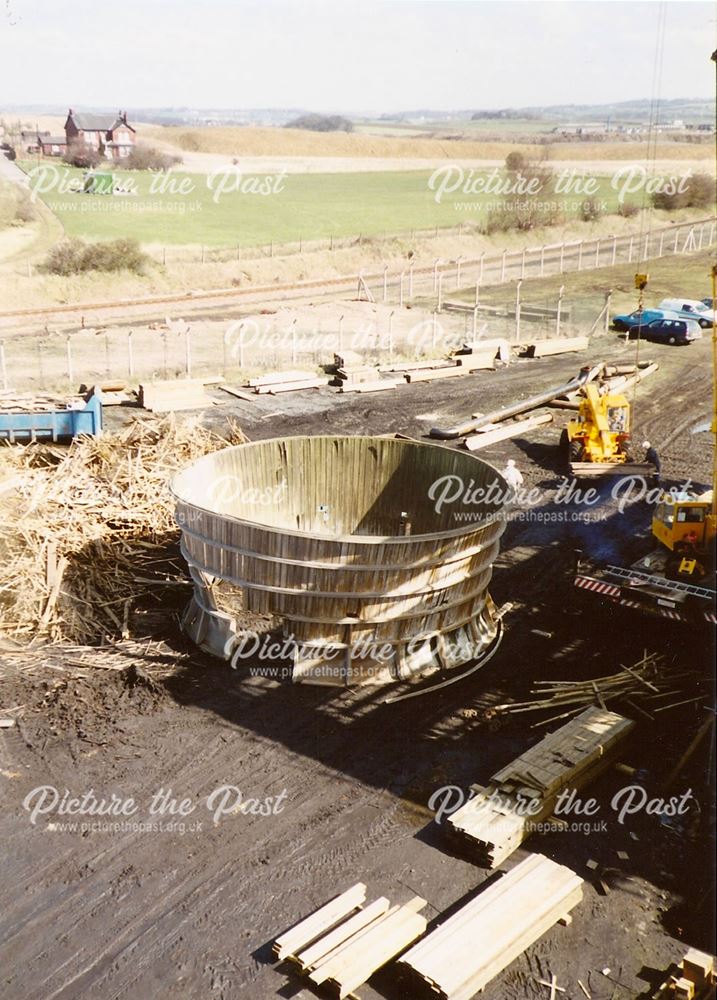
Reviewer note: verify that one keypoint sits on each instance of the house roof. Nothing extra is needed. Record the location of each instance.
(53, 140)
(97, 123)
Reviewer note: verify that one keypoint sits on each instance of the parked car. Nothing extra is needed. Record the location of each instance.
(690, 309)
(632, 320)
(710, 303)
(669, 331)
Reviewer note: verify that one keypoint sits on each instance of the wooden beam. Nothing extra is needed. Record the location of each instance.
(477, 441)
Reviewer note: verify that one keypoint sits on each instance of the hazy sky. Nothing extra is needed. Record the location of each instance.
(348, 56)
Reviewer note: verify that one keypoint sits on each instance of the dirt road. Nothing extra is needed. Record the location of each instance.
(150, 913)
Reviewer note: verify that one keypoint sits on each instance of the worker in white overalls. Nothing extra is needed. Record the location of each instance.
(513, 477)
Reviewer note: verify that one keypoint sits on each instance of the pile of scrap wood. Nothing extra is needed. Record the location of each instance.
(89, 530)
(173, 394)
(499, 817)
(646, 682)
(463, 954)
(693, 979)
(555, 345)
(344, 942)
(277, 382)
(28, 402)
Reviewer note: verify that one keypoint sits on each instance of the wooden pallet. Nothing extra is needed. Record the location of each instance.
(462, 955)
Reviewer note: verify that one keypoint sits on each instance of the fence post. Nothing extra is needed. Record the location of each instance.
(597, 252)
(293, 341)
(562, 256)
(475, 321)
(164, 256)
(400, 289)
(435, 331)
(439, 306)
(480, 275)
(3, 365)
(502, 267)
(674, 249)
(522, 264)
(580, 255)
(188, 351)
(662, 240)
(614, 250)
(435, 274)
(517, 310)
(241, 346)
(410, 281)
(702, 230)
(202, 253)
(542, 261)
(645, 252)
(390, 335)
(458, 271)
(629, 250)
(477, 292)
(608, 297)
(70, 371)
(558, 310)
(130, 356)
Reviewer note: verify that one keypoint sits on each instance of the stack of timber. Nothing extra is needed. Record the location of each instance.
(556, 345)
(178, 394)
(359, 377)
(278, 382)
(693, 979)
(490, 434)
(344, 942)
(498, 818)
(498, 346)
(465, 952)
(460, 365)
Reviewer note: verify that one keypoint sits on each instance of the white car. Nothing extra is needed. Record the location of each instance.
(690, 309)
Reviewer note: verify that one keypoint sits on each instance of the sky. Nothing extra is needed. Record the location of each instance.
(366, 56)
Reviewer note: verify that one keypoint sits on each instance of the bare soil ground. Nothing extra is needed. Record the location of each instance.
(165, 914)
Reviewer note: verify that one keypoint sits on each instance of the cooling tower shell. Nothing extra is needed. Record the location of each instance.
(345, 539)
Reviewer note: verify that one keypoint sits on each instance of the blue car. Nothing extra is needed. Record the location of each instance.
(632, 320)
(670, 331)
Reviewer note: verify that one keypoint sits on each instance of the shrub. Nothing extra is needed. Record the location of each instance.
(76, 257)
(79, 155)
(322, 123)
(590, 210)
(25, 210)
(627, 209)
(698, 192)
(149, 158)
(516, 161)
(10, 153)
(16, 207)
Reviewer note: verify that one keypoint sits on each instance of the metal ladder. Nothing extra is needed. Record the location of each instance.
(658, 581)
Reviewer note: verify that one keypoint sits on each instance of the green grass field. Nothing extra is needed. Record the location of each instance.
(299, 206)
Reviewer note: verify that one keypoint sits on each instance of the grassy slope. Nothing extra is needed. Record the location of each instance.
(308, 206)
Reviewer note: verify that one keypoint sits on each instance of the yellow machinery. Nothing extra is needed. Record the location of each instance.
(686, 526)
(600, 434)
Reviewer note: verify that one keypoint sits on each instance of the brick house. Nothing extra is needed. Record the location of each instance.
(52, 145)
(110, 135)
